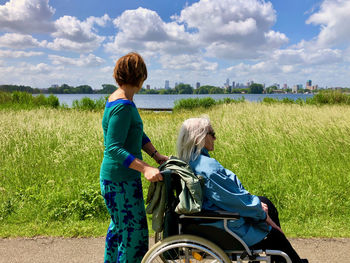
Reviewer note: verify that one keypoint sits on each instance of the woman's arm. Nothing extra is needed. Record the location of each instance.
(268, 218)
(151, 151)
(151, 174)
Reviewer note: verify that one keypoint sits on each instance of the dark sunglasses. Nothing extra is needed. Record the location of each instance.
(212, 134)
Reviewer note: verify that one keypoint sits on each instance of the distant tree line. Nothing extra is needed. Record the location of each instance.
(254, 88)
(109, 88)
(207, 89)
(12, 88)
(63, 89)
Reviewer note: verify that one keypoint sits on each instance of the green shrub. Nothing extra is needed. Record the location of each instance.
(288, 101)
(229, 100)
(7, 208)
(331, 97)
(22, 98)
(192, 103)
(88, 104)
(300, 101)
(40, 100)
(53, 101)
(89, 204)
(25, 100)
(269, 100)
(207, 102)
(5, 97)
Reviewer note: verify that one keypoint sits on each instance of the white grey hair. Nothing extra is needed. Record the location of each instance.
(191, 138)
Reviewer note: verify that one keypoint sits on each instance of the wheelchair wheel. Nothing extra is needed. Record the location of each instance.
(185, 249)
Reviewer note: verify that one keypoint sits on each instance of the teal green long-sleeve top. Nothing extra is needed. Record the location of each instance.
(123, 140)
(224, 191)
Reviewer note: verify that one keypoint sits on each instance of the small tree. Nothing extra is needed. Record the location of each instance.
(184, 89)
(256, 88)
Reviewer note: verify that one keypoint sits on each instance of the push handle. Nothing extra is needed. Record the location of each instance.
(166, 172)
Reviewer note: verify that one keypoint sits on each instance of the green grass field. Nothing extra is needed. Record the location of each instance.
(298, 156)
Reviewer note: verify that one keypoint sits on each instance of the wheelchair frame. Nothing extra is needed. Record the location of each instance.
(196, 247)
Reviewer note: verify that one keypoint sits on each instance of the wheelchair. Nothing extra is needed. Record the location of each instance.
(188, 238)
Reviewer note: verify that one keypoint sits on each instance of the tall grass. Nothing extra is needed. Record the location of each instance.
(331, 97)
(297, 156)
(207, 102)
(89, 104)
(24, 100)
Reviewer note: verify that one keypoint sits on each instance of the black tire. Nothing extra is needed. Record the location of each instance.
(185, 249)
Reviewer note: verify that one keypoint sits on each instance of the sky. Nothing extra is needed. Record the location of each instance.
(77, 42)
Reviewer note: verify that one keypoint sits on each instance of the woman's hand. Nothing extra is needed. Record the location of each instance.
(159, 158)
(265, 207)
(268, 218)
(273, 224)
(152, 174)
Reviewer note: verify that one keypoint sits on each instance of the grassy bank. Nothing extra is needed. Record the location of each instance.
(298, 156)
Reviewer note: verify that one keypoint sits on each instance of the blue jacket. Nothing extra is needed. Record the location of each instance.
(224, 191)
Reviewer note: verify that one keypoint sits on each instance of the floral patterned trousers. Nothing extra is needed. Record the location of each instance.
(127, 235)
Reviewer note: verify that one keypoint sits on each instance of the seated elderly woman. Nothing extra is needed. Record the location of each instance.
(259, 224)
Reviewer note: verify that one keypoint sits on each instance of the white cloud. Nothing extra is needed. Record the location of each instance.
(18, 54)
(233, 28)
(324, 56)
(187, 62)
(26, 16)
(19, 41)
(71, 28)
(141, 24)
(100, 21)
(228, 19)
(228, 29)
(41, 68)
(75, 35)
(83, 61)
(66, 44)
(43, 75)
(308, 56)
(107, 70)
(275, 39)
(346, 54)
(252, 70)
(334, 20)
(144, 31)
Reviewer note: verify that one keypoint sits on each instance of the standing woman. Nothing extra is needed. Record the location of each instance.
(122, 165)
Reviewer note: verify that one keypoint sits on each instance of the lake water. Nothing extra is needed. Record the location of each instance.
(151, 101)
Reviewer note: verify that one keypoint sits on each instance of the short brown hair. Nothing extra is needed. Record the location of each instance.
(130, 69)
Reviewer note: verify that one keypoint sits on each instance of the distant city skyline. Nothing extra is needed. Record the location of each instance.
(45, 42)
(196, 85)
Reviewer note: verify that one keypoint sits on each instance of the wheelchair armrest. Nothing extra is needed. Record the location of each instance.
(216, 215)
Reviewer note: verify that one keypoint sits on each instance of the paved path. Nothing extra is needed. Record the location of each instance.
(90, 250)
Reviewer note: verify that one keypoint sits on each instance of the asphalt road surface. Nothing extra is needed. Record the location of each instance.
(90, 250)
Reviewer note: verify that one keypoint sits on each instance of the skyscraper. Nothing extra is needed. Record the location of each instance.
(166, 86)
(309, 83)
